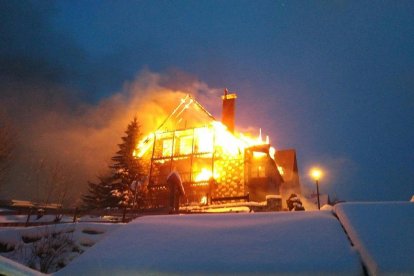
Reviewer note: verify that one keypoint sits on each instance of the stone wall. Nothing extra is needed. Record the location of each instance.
(230, 180)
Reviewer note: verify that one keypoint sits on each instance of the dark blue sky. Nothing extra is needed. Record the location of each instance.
(332, 79)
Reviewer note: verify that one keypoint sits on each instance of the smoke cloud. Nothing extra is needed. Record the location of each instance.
(52, 96)
(61, 138)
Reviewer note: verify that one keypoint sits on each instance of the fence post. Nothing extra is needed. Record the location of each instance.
(28, 217)
(124, 213)
(75, 214)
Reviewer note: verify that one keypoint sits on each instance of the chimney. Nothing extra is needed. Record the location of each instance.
(228, 113)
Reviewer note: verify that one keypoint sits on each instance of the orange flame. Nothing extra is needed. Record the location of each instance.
(214, 137)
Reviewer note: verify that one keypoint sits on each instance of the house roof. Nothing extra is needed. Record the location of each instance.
(287, 160)
(188, 114)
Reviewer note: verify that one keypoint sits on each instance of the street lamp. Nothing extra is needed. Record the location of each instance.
(316, 175)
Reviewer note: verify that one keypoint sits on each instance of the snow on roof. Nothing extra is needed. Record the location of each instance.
(327, 207)
(383, 233)
(283, 242)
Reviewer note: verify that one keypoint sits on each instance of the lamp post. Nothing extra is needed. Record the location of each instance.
(316, 175)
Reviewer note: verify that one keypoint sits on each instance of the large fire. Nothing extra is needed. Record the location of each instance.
(213, 140)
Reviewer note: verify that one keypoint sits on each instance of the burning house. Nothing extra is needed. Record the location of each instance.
(213, 160)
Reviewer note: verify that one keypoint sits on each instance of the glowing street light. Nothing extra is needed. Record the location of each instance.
(316, 175)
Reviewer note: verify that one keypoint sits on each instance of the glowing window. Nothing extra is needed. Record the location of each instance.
(167, 147)
(258, 167)
(204, 140)
(186, 144)
(258, 171)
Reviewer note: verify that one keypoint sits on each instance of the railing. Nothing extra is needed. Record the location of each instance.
(230, 198)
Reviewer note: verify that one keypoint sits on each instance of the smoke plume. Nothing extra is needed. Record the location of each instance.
(65, 140)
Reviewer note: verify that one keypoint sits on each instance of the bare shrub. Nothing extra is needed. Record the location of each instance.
(5, 247)
(30, 239)
(50, 252)
(49, 182)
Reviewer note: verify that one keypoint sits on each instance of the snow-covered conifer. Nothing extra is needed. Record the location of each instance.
(99, 194)
(116, 189)
(127, 168)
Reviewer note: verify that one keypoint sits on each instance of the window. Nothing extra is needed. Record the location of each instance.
(258, 170)
(204, 140)
(186, 145)
(167, 147)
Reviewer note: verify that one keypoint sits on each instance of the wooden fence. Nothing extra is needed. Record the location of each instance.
(117, 215)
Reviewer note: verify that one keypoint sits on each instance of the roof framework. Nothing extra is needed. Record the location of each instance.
(188, 114)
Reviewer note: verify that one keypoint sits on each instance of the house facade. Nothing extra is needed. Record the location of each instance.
(212, 160)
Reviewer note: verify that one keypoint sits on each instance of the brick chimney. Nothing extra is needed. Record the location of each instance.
(229, 109)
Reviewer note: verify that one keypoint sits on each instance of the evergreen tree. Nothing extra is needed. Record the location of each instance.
(127, 168)
(100, 194)
(117, 190)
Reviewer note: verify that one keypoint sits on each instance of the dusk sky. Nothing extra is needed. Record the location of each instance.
(332, 79)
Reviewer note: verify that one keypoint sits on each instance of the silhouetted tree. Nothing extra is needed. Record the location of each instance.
(118, 190)
(49, 181)
(99, 194)
(127, 168)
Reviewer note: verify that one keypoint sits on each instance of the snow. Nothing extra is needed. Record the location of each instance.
(84, 236)
(304, 243)
(276, 242)
(240, 209)
(383, 233)
(224, 207)
(327, 207)
(310, 200)
(23, 218)
(50, 218)
(9, 267)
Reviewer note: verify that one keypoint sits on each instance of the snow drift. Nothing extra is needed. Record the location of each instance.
(383, 233)
(299, 243)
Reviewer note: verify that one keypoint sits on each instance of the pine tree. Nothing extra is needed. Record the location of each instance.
(115, 190)
(100, 194)
(127, 168)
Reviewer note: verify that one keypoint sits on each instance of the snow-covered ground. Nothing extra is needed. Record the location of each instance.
(383, 233)
(19, 243)
(303, 243)
(9, 267)
(50, 218)
(282, 242)
(233, 207)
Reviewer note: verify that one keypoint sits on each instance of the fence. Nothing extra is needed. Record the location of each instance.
(115, 215)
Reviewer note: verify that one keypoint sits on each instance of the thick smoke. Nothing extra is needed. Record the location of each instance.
(68, 142)
(64, 132)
